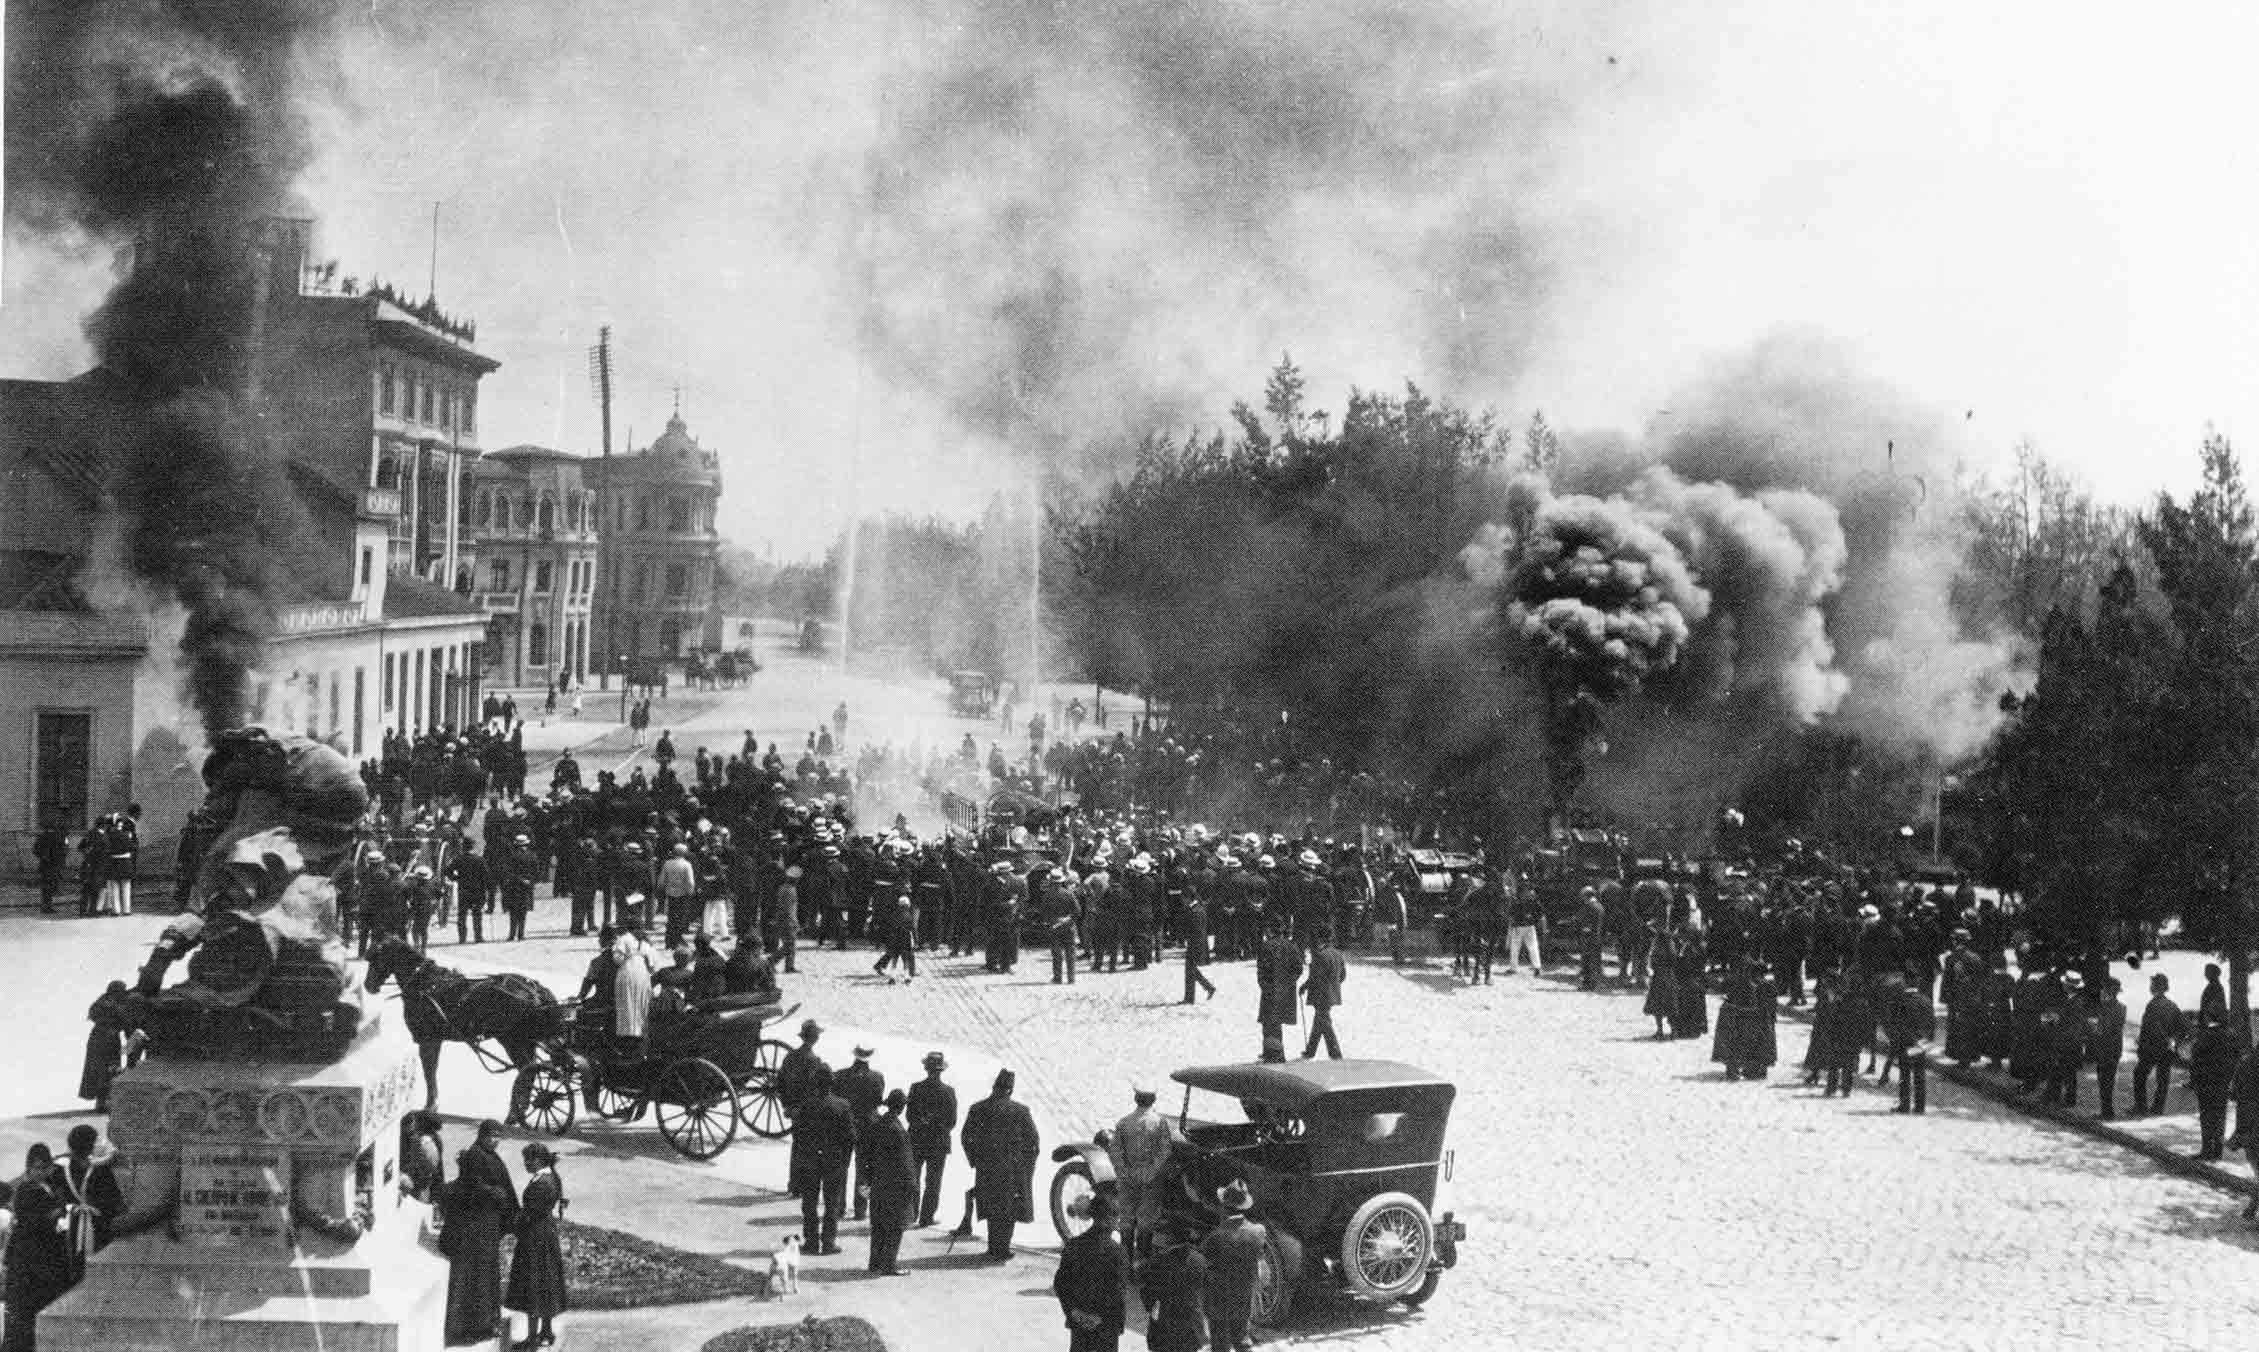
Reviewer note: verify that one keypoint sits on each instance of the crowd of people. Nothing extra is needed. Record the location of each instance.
(749, 849)
(864, 1152)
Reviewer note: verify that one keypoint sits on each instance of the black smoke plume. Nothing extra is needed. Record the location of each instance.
(1770, 559)
(172, 130)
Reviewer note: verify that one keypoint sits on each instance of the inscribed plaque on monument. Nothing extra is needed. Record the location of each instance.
(234, 1196)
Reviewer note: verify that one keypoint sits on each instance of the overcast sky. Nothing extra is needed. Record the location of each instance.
(894, 252)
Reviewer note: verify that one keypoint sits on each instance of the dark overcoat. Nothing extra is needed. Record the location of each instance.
(537, 1269)
(1001, 1145)
(888, 1170)
(482, 1205)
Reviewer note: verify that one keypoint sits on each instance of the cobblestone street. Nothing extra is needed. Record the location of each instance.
(1617, 1191)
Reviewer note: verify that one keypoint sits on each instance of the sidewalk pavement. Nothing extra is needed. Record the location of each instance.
(2168, 1139)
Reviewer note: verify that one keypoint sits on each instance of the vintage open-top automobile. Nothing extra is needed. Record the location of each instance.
(1342, 1157)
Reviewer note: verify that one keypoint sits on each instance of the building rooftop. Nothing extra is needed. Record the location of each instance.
(73, 429)
(412, 598)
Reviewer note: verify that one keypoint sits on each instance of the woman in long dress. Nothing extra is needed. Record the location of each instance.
(1663, 983)
(631, 990)
(38, 1255)
(1691, 1018)
(537, 1269)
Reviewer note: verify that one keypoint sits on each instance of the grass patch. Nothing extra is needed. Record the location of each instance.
(840, 1334)
(612, 1270)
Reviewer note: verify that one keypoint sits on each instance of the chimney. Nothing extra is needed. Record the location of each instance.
(279, 252)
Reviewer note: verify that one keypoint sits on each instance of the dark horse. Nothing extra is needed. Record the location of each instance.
(446, 1006)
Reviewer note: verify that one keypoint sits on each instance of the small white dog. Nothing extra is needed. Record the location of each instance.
(784, 1267)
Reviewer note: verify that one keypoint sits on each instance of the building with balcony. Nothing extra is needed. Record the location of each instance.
(366, 636)
(532, 559)
(660, 548)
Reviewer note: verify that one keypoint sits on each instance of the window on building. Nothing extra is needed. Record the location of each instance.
(388, 473)
(498, 575)
(541, 576)
(425, 402)
(485, 509)
(642, 590)
(388, 391)
(470, 412)
(546, 515)
(678, 581)
(643, 514)
(537, 644)
(678, 515)
(62, 761)
(336, 699)
(463, 504)
(368, 565)
(360, 697)
(525, 513)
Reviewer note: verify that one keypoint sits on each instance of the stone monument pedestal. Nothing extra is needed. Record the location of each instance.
(252, 1155)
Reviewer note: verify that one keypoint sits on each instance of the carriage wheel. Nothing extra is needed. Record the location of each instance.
(759, 1105)
(696, 1108)
(1386, 1246)
(549, 1099)
(1071, 1190)
(614, 1104)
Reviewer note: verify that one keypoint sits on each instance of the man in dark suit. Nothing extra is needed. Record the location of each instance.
(893, 1183)
(1093, 1269)
(1278, 966)
(823, 1140)
(933, 1120)
(863, 1088)
(472, 883)
(1001, 1145)
(1323, 990)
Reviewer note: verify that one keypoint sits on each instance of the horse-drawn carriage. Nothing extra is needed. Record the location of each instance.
(701, 1072)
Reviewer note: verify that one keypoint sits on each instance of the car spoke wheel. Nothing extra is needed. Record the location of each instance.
(1071, 1190)
(1386, 1248)
(549, 1100)
(761, 1107)
(696, 1109)
(1274, 1290)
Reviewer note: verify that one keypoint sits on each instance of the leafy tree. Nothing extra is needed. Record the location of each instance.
(2036, 543)
(2208, 724)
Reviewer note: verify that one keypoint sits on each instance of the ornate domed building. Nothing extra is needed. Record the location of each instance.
(660, 547)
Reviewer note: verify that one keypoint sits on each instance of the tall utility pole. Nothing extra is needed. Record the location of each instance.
(600, 377)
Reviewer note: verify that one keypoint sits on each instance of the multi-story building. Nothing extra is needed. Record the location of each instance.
(532, 560)
(370, 403)
(660, 548)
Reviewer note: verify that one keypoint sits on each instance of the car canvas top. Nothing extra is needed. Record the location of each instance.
(1294, 1085)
